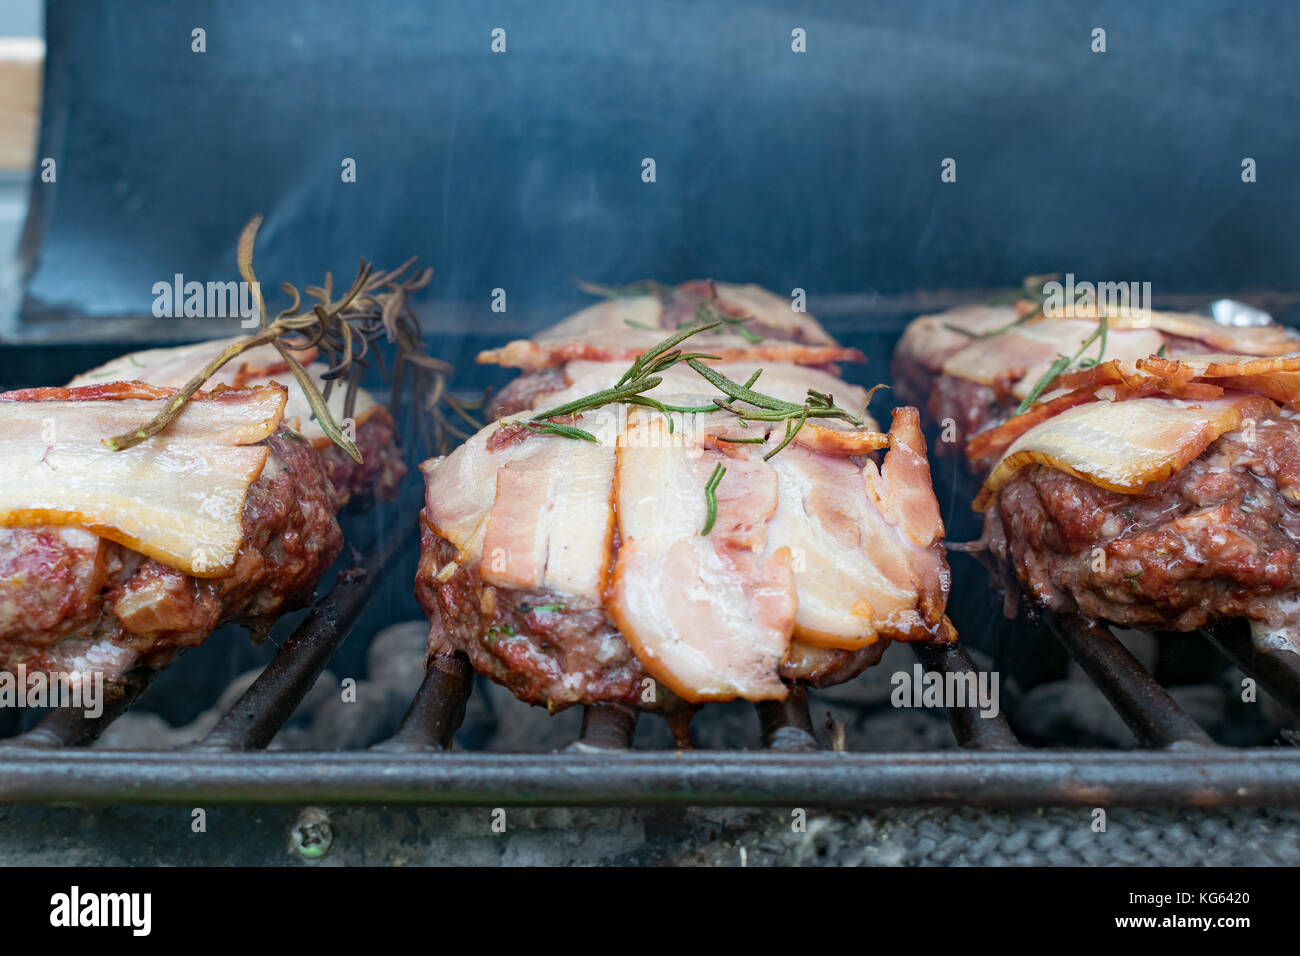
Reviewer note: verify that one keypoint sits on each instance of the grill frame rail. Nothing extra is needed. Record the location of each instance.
(1177, 765)
(1025, 778)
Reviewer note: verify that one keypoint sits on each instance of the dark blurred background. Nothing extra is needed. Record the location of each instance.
(522, 169)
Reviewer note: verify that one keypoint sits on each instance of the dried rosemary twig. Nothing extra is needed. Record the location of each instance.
(344, 332)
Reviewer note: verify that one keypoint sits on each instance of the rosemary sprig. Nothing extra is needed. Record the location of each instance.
(791, 429)
(817, 405)
(343, 331)
(555, 428)
(606, 396)
(710, 311)
(642, 375)
(711, 498)
(1062, 363)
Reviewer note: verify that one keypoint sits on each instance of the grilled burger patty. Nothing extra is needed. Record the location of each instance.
(74, 602)
(382, 468)
(1219, 538)
(664, 565)
(531, 642)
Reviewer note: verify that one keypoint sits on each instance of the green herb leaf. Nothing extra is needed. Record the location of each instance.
(555, 428)
(711, 498)
(1059, 367)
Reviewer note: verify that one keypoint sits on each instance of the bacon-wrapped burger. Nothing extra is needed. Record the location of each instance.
(695, 526)
(1162, 493)
(971, 368)
(113, 560)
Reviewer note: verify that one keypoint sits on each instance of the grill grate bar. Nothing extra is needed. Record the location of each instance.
(1278, 672)
(786, 724)
(263, 709)
(1153, 716)
(67, 727)
(606, 727)
(1199, 777)
(969, 727)
(438, 709)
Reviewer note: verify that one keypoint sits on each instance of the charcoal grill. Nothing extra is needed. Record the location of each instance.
(1177, 762)
(767, 171)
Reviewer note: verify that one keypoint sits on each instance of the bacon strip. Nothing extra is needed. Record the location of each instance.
(551, 522)
(1278, 377)
(619, 329)
(842, 442)
(711, 617)
(1017, 359)
(177, 498)
(1250, 340)
(869, 559)
(525, 354)
(1192, 378)
(930, 340)
(173, 366)
(1125, 445)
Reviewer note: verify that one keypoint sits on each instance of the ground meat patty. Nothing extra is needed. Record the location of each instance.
(528, 641)
(71, 601)
(548, 654)
(382, 468)
(1217, 540)
(970, 406)
(522, 392)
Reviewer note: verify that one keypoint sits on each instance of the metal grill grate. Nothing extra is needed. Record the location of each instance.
(1181, 765)
(1178, 763)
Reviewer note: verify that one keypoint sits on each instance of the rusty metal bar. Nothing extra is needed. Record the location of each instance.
(1278, 672)
(1146, 707)
(969, 726)
(606, 727)
(1193, 777)
(786, 724)
(66, 727)
(263, 709)
(438, 709)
